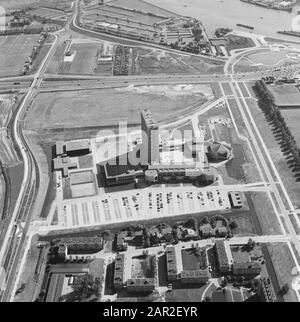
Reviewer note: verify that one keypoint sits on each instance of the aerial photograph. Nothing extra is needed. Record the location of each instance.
(150, 152)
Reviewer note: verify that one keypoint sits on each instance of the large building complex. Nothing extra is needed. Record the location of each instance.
(153, 170)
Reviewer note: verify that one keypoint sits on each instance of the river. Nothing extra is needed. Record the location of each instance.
(227, 13)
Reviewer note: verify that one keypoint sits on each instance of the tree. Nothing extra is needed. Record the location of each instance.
(233, 225)
(285, 288)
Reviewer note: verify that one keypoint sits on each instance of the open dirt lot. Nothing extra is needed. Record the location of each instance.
(154, 61)
(14, 51)
(106, 108)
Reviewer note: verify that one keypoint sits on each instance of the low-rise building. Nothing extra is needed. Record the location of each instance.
(80, 245)
(199, 276)
(140, 284)
(223, 261)
(172, 272)
(119, 271)
(64, 164)
(235, 199)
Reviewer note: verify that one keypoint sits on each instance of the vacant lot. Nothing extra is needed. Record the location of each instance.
(14, 51)
(154, 61)
(106, 108)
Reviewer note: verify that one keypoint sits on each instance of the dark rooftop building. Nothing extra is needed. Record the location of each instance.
(171, 263)
(195, 276)
(140, 284)
(119, 271)
(82, 245)
(223, 261)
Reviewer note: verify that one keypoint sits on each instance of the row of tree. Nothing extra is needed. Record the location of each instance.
(273, 114)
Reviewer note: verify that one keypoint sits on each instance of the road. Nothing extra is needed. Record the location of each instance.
(12, 246)
(12, 249)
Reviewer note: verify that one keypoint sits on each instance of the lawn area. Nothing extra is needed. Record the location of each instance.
(238, 42)
(28, 277)
(14, 51)
(292, 117)
(192, 260)
(109, 107)
(283, 264)
(186, 294)
(286, 174)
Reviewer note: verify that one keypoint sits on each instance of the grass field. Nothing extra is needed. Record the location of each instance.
(283, 264)
(97, 107)
(14, 51)
(141, 6)
(292, 117)
(283, 167)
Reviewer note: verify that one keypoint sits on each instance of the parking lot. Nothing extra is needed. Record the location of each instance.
(134, 205)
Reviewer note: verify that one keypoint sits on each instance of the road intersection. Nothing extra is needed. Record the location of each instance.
(13, 259)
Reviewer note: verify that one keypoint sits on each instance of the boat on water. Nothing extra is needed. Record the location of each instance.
(245, 26)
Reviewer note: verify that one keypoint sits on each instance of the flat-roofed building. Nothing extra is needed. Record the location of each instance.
(82, 245)
(172, 272)
(60, 147)
(199, 276)
(150, 137)
(235, 199)
(242, 263)
(222, 257)
(80, 177)
(140, 284)
(64, 164)
(119, 273)
(246, 268)
(81, 147)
